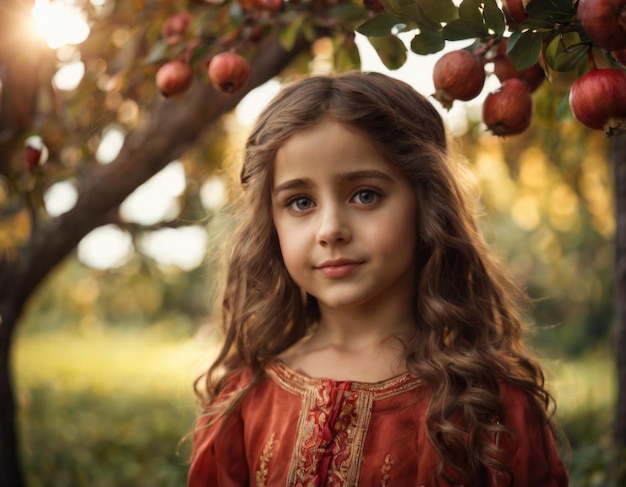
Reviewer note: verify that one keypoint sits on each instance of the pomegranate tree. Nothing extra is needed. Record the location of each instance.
(509, 110)
(598, 100)
(458, 75)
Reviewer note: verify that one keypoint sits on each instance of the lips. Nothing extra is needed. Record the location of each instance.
(338, 267)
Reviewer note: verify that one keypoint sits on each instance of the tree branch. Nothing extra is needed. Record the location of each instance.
(174, 125)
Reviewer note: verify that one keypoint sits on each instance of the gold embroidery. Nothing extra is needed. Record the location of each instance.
(331, 432)
(386, 470)
(333, 424)
(267, 453)
(299, 384)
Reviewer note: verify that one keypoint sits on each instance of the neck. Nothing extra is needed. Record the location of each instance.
(354, 329)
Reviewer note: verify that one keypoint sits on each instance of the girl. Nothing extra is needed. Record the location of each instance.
(370, 339)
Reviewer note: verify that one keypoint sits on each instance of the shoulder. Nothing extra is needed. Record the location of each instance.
(528, 440)
(520, 406)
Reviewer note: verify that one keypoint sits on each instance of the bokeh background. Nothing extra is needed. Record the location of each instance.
(106, 354)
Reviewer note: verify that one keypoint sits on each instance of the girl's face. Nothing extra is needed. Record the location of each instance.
(345, 218)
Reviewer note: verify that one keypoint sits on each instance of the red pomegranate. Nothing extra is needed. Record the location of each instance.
(173, 77)
(458, 75)
(620, 57)
(175, 27)
(605, 22)
(268, 5)
(515, 11)
(509, 110)
(228, 71)
(598, 100)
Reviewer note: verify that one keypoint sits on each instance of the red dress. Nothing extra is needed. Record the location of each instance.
(293, 430)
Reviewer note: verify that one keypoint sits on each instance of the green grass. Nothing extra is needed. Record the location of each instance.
(106, 409)
(110, 408)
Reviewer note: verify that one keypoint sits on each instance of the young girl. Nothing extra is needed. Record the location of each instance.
(370, 339)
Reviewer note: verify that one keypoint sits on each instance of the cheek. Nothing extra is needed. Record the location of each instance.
(290, 245)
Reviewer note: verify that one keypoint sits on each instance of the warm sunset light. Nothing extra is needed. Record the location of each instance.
(60, 22)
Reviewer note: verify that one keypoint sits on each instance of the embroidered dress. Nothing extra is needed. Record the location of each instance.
(293, 430)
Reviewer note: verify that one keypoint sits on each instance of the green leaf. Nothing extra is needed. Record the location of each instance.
(439, 10)
(158, 52)
(346, 53)
(288, 34)
(410, 9)
(390, 49)
(348, 12)
(494, 18)
(470, 10)
(381, 25)
(565, 52)
(524, 48)
(551, 10)
(427, 42)
(460, 29)
(536, 24)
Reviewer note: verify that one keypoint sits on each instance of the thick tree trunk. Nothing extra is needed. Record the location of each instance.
(173, 127)
(10, 473)
(618, 158)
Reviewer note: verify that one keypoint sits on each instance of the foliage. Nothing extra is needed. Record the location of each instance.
(113, 407)
(106, 408)
(551, 32)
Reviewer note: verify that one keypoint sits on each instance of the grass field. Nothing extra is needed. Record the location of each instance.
(111, 408)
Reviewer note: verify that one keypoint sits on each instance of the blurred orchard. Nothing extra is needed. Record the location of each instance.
(121, 128)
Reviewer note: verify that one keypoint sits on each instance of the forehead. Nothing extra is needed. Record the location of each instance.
(329, 146)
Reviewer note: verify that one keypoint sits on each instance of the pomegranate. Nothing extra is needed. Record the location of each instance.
(515, 11)
(175, 27)
(620, 57)
(246, 4)
(36, 152)
(228, 71)
(173, 77)
(33, 156)
(597, 100)
(375, 6)
(504, 69)
(605, 22)
(458, 75)
(509, 110)
(268, 5)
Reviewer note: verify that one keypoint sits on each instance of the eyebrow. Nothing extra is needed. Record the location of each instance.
(341, 178)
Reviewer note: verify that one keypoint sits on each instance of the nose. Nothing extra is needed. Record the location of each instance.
(333, 227)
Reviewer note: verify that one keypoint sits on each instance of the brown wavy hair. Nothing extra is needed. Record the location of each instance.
(470, 330)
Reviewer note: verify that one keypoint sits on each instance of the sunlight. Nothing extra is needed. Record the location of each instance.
(105, 247)
(69, 76)
(60, 22)
(60, 198)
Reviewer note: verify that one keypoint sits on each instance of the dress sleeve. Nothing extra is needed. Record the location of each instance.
(534, 459)
(219, 458)
(219, 455)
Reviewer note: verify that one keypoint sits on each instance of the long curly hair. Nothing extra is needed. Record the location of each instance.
(469, 337)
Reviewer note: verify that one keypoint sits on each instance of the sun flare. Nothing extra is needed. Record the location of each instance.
(60, 23)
